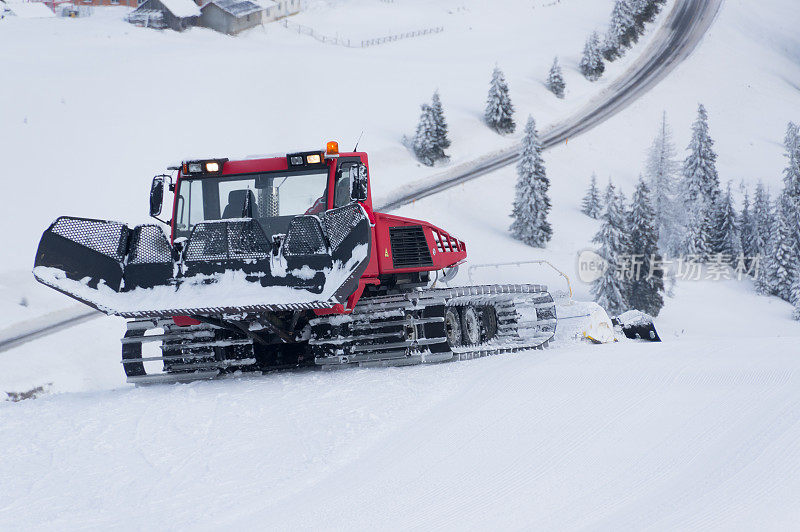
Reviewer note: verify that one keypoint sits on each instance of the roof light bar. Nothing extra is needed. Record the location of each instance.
(203, 167)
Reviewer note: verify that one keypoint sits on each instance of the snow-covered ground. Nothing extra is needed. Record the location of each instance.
(699, 431)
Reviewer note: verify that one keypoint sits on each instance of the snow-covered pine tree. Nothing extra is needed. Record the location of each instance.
(796, 297)
(621, 32)
(725, 236)
(440, 129)
(425, 144)
(747, 241)
(499, 114)
(555, 79)
(647, 10)
(700, 187)
(762, 220)
(609, 289)
(791, 176)
(700, 235)
(531, 202)
(662, 172)
(784, 252)
(701, 180)
(592, 204)
(638, 8)
(610, 194)
(645, 292)
(592, 66)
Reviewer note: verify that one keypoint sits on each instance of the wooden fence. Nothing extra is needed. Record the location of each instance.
(341, 41)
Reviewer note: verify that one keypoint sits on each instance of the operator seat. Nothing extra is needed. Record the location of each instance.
(342, 193)
(235, 206)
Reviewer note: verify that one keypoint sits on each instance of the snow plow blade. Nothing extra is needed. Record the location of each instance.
(637, 325)
(225, 267)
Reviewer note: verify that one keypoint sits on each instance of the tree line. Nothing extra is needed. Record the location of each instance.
(680, 209)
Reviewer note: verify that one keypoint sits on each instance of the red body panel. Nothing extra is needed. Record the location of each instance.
(445, 249)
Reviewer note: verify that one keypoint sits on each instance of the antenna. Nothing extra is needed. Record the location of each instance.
(359, 140)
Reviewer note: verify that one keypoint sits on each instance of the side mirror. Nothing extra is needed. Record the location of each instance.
(156, 195)
(358, 182)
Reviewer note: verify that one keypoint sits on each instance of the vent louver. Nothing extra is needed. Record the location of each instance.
(409, 247)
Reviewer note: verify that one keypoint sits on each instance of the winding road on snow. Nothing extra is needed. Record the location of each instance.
(677, 38)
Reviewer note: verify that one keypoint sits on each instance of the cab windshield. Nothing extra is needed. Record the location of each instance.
(271, 198)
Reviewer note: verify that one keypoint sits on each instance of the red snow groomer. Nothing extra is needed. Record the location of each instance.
(281, 262)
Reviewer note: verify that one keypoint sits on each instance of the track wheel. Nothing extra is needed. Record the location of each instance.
(452, 326)
(471, 325)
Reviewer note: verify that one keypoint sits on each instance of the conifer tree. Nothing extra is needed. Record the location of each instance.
(531, 203)
(499, 113)
(725, 237)
(610, 194)
(662, 172)
(791, 176)
(700, 235)
(762, 220)
(591, 65)
(555, 79)
(784, 253)
(621, 32)
(747, 240)
(609, 289)
(425, 144)
(440, 129)
(647, 10)
(700, 185)
(645, 290)
(796, 297)
(592, 204)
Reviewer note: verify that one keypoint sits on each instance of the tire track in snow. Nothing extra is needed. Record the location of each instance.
(627, 486)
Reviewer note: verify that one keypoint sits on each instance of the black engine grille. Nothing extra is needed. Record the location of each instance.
(409, 248)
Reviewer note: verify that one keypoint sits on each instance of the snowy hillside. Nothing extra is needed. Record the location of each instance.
(202, 94)
(697, 432)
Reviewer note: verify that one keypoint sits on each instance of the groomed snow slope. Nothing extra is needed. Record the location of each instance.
(696, 432)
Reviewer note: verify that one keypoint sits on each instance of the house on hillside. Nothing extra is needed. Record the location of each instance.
(174, 14)
(275, 9)
(231, 16)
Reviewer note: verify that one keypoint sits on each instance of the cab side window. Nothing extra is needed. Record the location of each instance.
(341, 194)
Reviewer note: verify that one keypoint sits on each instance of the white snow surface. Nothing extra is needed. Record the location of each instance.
(29, 9)
(697, 432)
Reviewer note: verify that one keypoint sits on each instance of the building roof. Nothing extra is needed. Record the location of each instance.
(266, 4)
(29, 9)
(237, 8)
(182, 8)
